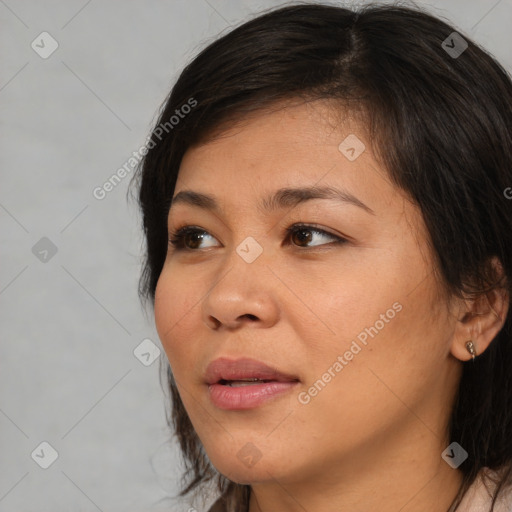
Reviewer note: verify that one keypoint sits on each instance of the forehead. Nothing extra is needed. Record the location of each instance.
(254, 163)
(288, 143)
(300, 145)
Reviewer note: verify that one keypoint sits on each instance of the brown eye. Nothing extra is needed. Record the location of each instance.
(194, 239)
(188, 238)
(303, 235)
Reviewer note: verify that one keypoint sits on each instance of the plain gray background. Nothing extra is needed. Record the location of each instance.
(72, 320)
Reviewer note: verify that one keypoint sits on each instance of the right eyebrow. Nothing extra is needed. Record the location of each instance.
(282, 198)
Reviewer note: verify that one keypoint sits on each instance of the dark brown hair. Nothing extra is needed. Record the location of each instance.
(441, 124)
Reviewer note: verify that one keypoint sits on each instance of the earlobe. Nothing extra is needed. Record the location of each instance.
(465, 343)
(479, 323)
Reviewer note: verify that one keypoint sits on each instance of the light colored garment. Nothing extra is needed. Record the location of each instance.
(478, 497)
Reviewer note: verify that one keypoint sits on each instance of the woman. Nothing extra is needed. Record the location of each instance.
(329, 252)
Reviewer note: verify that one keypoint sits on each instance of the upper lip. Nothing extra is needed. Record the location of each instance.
(245, 368)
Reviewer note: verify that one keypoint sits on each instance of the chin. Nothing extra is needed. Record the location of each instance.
(247, 465)
(244, 476)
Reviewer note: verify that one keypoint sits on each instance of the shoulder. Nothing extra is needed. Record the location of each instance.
(478, 498)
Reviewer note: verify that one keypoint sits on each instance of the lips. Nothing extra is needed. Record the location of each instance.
(246, 383)
(243, 372)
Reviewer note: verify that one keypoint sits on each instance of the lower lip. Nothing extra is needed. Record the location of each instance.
(247, 397)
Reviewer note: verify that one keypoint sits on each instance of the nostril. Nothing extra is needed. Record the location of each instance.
(250, 317)
(215, 321)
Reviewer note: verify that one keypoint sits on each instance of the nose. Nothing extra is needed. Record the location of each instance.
(244, 294)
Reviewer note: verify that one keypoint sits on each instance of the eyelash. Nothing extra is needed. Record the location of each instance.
(177, 238)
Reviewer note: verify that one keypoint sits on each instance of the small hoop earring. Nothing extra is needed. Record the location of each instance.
(471, 349)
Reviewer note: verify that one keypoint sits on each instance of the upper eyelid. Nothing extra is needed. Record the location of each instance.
(182, 231)
(298, 225)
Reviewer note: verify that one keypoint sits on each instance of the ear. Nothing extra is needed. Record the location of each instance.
(480, 319)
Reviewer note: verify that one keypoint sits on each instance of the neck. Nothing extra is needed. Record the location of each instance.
(403, 474)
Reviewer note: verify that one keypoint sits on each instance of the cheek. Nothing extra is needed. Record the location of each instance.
(344, 301)
(165, 307)
(381, 317)
(175, 305)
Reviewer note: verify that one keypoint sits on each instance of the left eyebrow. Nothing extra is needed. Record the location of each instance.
(290, 197)
(282, 198)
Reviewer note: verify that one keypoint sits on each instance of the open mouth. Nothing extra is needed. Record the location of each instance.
(244, 382)
(235, 384)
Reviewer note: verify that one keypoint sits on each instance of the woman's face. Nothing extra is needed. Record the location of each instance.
(346, 305)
